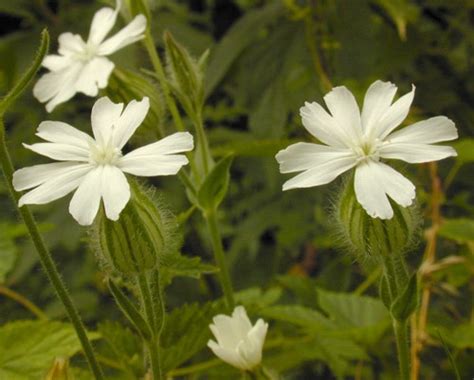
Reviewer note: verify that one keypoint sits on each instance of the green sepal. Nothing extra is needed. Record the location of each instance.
(28, 76)
(140, 7)
(407, 301)
(215, 185)
(130, 311)
(371, 237)
(144, 232)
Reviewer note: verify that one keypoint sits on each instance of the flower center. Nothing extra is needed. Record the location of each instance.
(368, 150)
(88, 52)
(104, 154)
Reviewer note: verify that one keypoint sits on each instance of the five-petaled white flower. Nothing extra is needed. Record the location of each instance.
(238, 342)
(96, 166)
(363, 140)
(83, 66)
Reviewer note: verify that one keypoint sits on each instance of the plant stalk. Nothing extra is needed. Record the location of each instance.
(401, 336)
(46, 260)
(219, 256)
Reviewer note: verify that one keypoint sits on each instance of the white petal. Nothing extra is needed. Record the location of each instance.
(373, 181)
(59, 86)
(304, 156)
(158, 158)
(397, 112)
(345, 111)
(55, 62)
(225, 331)
(56, 187)
(322, 125)
(322, 172)
(103, 21)
(104, 117)
(32, 176)
(62, 133)
(86, 200)
(115, 191)
(94, 75)
(377, 101)
(60, 152)
(128, 35)
(71, 44)
(432, 130)
(227, 355)
(416, 153)
(130, 120)
(241, 321)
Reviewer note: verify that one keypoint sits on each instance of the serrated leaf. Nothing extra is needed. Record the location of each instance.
(364, 318)
(174, 265)
(460, 230)
(406, 303)
(28, 348)
(215, 185)
(186, 332)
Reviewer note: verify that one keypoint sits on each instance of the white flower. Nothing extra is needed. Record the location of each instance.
(96, 166)
(83, 66)
(363, 140)
(238, 343)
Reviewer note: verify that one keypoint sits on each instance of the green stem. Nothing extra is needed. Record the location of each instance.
(46, 259)
(213, 227)
(206, 153)
(395, 271)
(401, 336)
(153, 320)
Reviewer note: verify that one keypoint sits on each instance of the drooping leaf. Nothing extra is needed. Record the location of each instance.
(215, 185)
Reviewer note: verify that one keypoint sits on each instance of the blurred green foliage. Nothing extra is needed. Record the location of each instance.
(266, 58)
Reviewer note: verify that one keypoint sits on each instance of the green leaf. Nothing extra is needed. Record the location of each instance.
(174, 265)
(401, 12)
(215, 185)
(460, 336)
(123, 345)
(364, 318)
(28, 348)
(300, 316)
(237, 38)
(186, 332)
(460, 230)
(384, 291)
(8, 247)
(130, 311)
(406, 303)
(28, 76)
(450, 357)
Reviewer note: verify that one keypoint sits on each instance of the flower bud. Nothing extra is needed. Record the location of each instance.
(59, 370)
(134, 243)
(371, 237)
(238, 342)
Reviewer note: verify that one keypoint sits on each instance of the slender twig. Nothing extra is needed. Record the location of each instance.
(420, 319)
(23, 301)
(46, 260)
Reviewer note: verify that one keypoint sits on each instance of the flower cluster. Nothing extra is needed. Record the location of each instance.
(362, 141)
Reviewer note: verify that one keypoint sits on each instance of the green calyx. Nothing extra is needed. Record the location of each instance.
(371, 238)
(134, 243)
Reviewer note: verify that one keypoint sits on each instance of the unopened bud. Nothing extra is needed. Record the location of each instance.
(134, 243)
(370, 237)
(59, 370)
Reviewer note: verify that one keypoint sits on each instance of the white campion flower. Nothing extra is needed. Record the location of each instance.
(83, 66)
(238, 342)
(96, 166)
(364, 140)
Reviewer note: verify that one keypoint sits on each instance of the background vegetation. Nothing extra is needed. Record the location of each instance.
(267, 58)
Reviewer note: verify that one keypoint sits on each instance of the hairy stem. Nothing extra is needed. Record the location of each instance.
(46, 260)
